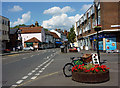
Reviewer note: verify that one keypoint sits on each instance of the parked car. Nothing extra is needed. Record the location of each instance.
(6, 51)
(28, 48)
(113, 51)
(19, 48)
(73, 49)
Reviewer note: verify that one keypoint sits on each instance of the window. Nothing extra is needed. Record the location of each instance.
(99, 17)
(2, 21)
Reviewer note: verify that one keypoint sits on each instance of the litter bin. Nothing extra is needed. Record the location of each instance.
(62, 49)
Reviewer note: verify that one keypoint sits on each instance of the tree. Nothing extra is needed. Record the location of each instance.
(71, 35)
(45, 29)
(18, 26)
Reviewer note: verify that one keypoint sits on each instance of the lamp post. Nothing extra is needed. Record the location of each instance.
(96, 7)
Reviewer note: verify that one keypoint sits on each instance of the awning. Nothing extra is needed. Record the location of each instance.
(58, 42)
(30, 43)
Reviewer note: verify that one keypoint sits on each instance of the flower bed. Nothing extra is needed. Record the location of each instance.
(90, 73)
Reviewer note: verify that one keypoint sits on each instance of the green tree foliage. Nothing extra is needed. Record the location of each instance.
(71, 35)
(17, 26)
(45, 29)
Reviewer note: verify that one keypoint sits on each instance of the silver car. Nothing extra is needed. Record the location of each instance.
(28, 48)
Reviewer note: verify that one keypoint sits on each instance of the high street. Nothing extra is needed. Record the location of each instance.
(24, 66)
(44, 68)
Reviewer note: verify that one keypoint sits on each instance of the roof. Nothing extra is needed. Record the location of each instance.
(33, 40)
(31, 29)
(55, 35)
(13, 31)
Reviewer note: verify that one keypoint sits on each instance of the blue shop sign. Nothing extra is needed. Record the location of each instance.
(95, 36)
(100, 45)
(110, 43)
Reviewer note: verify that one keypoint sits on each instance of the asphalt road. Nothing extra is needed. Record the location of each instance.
(44, 68)
(19, 68)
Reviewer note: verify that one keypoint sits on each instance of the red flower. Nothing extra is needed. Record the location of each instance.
(103, 70)
(82, 64)
(96, 70)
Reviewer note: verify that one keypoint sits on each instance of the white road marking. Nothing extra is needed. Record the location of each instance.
(29, 73)
(14, 85)
(36, 68)
(20, 81)
(34, 77)
(25, 77)
(31, 56)
(33, 70)
(37, 74)
(24, 58)
(43, 68)
(40, 71)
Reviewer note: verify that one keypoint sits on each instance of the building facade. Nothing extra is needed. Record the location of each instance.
(108, 13)
(36, 36)
(4, 32)
(15, 39)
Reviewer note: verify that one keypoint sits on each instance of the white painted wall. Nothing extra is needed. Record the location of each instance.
(26, 37)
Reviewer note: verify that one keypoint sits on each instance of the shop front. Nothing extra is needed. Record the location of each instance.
(106, 42)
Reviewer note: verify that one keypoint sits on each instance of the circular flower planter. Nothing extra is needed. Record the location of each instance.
(90, 77)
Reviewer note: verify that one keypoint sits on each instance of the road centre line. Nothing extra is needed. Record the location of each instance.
(20, 81)
(34, 77)
(14, 85)
(29, 74)
(25, 77)
(38, 78)
(37, 74)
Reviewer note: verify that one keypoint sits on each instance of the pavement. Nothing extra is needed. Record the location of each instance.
(14, 52)
(50, 74)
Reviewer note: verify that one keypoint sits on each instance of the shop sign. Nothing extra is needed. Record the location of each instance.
(95, 36)
(109, 35)
(110, 43)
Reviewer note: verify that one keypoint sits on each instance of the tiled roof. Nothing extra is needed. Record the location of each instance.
(33, 40)
(55, 35)
(31, 29)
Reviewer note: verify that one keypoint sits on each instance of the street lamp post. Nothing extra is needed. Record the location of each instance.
(96, 6)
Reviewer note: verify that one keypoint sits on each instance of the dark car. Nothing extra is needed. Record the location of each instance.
(6, 51)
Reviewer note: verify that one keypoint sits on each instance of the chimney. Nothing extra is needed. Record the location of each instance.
(55, 29)
(36, 24)
(32, 25)
(65, 32)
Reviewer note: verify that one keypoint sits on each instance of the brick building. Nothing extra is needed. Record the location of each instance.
(108, 13)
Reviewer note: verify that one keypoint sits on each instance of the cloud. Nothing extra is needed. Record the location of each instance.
(86, 7)
(58, 10)
(15, 9)
(25, 18)
(61, 21)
